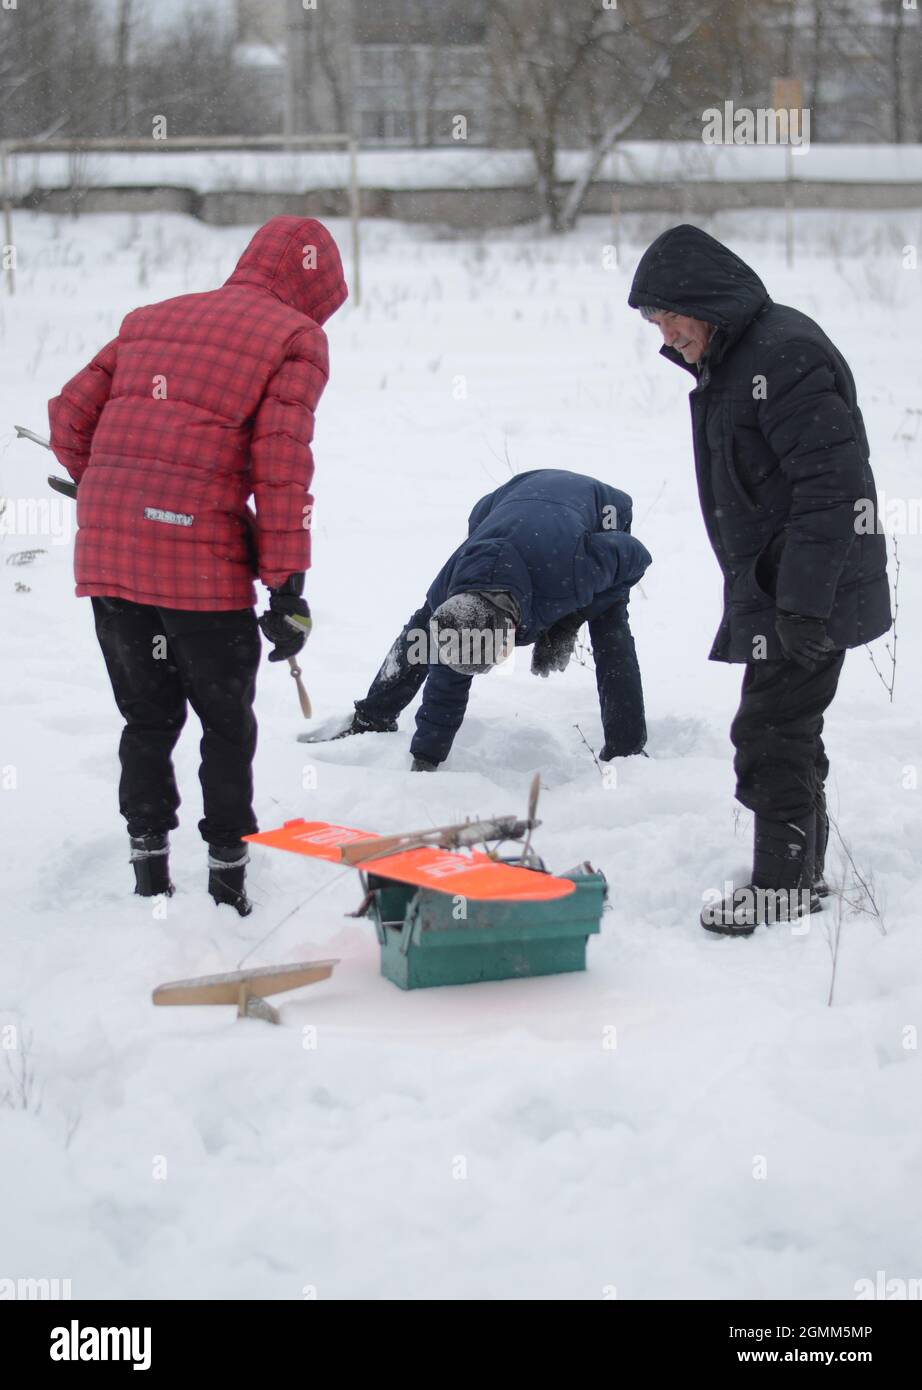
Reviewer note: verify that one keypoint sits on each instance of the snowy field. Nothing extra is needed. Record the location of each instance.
(744, 1138)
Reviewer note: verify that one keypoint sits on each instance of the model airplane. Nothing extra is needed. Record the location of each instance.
(246, 988)
(440, 858)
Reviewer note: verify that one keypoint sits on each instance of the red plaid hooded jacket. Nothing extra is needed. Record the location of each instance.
(199, 403)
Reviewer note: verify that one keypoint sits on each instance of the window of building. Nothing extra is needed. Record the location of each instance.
(422, 21)
(372, 125)
(394, 127)
(381, 62)
(456, 64)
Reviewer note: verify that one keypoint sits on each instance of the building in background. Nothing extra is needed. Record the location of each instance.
(500, 73)
(860, 62)
(396, 72)
(421, 72)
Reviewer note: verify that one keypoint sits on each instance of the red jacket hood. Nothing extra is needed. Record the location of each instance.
(297, 260)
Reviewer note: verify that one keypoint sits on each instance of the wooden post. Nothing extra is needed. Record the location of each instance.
(616, 209)
(355, 213)
(789, 208)
(8, 217)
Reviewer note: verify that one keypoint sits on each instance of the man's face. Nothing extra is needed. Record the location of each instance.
(688, 336)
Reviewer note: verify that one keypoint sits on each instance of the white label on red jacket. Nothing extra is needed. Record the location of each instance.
(171, 518)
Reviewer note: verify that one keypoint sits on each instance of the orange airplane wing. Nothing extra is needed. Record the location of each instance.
(468, 875)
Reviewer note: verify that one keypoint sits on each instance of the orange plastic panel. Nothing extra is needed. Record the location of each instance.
(469, 875)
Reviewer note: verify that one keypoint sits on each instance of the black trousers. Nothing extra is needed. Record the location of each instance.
(160, 660)
(618, 682)
(780, 760)
(617, 678)
(399, 679)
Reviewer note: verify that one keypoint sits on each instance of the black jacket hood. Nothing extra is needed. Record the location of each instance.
(689, 272)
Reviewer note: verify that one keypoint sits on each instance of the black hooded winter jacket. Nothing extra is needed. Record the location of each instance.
(781, 454)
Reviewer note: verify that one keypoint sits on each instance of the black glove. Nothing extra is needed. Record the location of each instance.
(287, 623)
(424, 765)
(803, 640)
(553, 649)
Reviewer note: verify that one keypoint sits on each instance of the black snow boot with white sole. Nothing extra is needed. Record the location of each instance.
(150, 858)
(227, 866)
(782, 887)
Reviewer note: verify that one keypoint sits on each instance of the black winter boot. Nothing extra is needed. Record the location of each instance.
(150, 855)
(227, 876)
(361, 725)
(333, 729)
(781, 889)
(822, 840)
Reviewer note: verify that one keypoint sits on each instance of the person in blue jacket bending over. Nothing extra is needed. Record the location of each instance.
(545, 553)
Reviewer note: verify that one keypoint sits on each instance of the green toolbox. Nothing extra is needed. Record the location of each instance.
(429, 938)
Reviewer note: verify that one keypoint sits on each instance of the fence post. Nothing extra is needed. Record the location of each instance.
(616, 205)
(355, 212)
(8, 217)
(789, 208)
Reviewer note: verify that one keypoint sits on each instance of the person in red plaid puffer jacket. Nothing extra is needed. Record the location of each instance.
(200, 403)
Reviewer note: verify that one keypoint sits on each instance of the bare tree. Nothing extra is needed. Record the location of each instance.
(52, 69)
(896, 73)
(878, 53)
(586, 72)
(788, 10)
(189, 75)
(816, 66)
(633, 91)
(541, 50)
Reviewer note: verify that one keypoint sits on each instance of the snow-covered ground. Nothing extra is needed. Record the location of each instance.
(742, 1138)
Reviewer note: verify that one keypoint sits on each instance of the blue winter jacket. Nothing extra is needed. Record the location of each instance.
(560, 543)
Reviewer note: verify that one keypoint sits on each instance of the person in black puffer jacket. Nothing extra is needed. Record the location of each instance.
(785, 486)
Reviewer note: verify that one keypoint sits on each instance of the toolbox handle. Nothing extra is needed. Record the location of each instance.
(410, 925)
